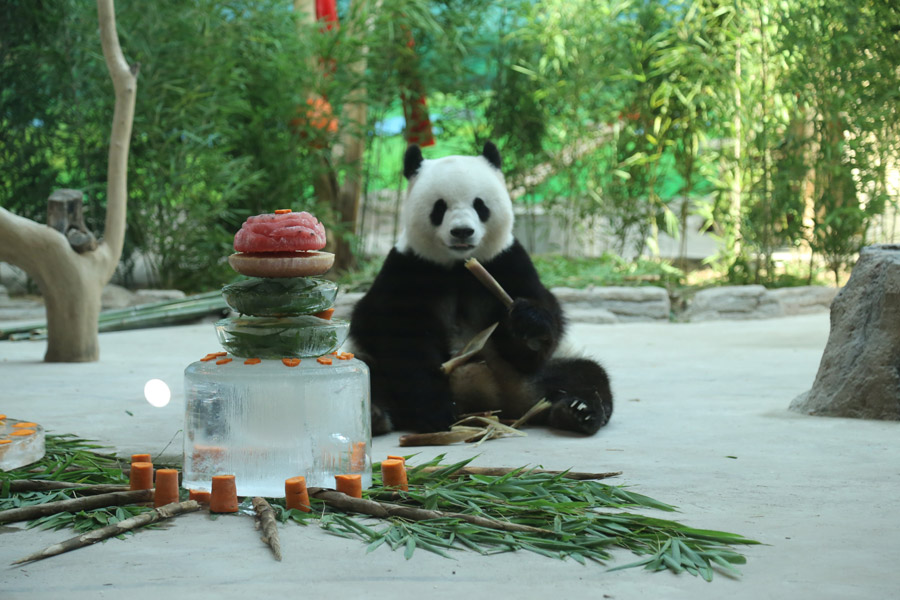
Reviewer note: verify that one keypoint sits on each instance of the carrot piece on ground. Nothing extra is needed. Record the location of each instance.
(295, 494)
(252, 361)
(200, 496)
(393, 474)
(349, 484)
(5, 442)
(283, 211)
(141, 476)
(345, 355)
(22, 432)
(141, 458)
(223, 498)
(2, 417)
(358, 456)
(323, 360)
(166, 491)
(290, 362)
(325, 314)
(24, 425)
(223, 361)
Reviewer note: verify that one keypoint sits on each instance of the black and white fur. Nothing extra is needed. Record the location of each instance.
(424, 306)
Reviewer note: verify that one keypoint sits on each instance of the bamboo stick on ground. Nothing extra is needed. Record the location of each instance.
(267, 525)
(157, 514)
(383, 510)
(26, 513)
(500, 471)
(45, 485)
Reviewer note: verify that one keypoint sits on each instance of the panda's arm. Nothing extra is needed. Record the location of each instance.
(530, 330)
(395, 327)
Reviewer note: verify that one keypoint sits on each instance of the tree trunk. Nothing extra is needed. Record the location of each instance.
(344, 197)
(71, 282)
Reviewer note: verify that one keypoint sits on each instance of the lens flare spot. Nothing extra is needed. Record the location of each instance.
(157, 393)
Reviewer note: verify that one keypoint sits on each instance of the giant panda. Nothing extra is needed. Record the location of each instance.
(424, 306)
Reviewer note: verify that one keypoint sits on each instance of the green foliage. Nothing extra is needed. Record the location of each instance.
(609, 269)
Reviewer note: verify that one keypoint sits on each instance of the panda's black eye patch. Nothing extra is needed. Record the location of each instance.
(481, 208)
(437, 212)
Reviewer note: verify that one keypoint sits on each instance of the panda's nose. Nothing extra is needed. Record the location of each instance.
(462, 233)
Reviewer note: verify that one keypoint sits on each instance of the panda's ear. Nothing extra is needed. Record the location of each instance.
(491, 153)
(412, 160)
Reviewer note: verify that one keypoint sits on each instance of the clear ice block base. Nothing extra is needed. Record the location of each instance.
(16, 449)
(266, 422)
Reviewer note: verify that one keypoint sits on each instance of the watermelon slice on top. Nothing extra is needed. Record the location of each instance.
(280, 232)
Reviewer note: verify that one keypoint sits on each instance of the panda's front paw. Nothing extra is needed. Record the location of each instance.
(532, 323)
(574, 414)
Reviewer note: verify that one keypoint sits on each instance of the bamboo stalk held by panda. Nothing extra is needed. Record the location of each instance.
(488, 281)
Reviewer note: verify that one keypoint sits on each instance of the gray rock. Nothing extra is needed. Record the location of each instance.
(732, 302)
(625, 303)
(115, 296)
(804, 300)
(859, 375)
(599, 316)
(150, 296)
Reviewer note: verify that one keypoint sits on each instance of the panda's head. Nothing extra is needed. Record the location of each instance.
(456, 207)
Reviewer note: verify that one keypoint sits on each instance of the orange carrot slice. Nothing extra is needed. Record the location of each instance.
(358, 456)
(22, 432)
(141, 476)
(252, 361)
(166, 491)
(393, 474)
(200, 496)
(2, 417)
(325, 314)
(283, 211)
(223, 498)
(141, 458)
(24, 425)
(349, 484)
(345, 356)
(5, 442)
(323, 360)
(223, 361)
(295, 494)
(290, 362)
(213, 355)
(392, 457)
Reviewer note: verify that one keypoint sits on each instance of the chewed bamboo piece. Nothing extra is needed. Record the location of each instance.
(500, 471)
(157, 514)
(384, 510)
(46, 485)
(267, 525)
(27, 513)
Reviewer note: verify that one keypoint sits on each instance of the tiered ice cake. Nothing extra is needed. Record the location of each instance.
(281, 400)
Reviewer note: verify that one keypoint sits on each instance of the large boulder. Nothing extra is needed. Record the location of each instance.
(859, 375)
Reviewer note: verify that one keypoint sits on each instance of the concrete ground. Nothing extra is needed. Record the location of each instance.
(701, 422)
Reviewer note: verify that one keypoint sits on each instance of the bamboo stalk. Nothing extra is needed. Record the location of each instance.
(44, 485)
(500, 471)
(26, 513)
(268, 526)
(384, 510)
(488, 281)
(439, 438)
(158, 514)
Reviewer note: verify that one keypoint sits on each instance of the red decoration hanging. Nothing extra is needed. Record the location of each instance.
(326, 10)
(415, 104)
